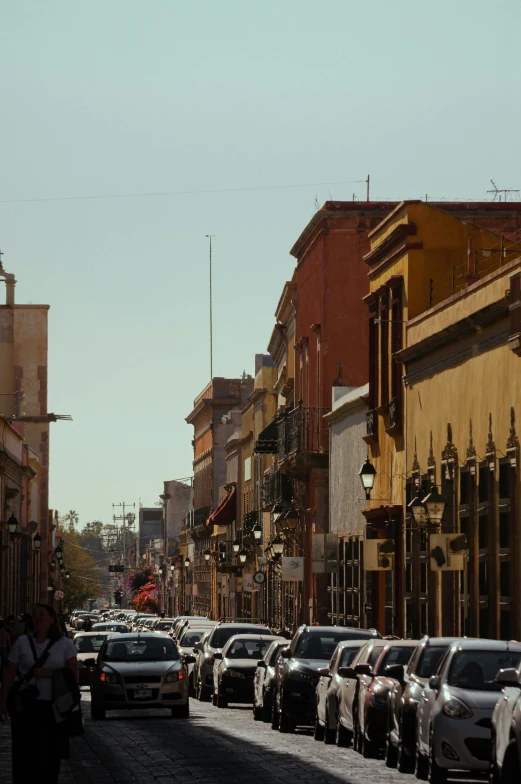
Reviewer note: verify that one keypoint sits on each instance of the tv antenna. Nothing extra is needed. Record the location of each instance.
(498, 191)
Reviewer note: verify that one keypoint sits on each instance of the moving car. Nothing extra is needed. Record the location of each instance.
(373, 696)
(454, 718)
(234, 668)
(216, 640)
(136, 620)
(135, 671)
(359, 671)
(88, 645)
(404, 698)
(330, 681)
(162, 625)
(80, 619)
(298, 673)
(182, 619)
(264, 681)
(110, 626)
(506, 730)
(147, 623)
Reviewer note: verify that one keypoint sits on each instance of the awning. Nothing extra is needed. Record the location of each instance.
(226, 512)
(267, 442)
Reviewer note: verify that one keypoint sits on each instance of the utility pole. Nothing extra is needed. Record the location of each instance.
(209, 236)
(126, 518)
(368, 183)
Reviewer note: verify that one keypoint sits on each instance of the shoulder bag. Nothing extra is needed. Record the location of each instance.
(22, 693)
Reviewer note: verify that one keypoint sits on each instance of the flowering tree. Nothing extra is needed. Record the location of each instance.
(143, 601)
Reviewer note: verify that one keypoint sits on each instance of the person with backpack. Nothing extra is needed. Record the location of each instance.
(39, 741)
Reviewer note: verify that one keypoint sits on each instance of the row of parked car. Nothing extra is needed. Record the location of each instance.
(430, 707)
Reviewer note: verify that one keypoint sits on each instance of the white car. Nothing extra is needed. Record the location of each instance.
(455, 711)
(327, 689)
(506, 730)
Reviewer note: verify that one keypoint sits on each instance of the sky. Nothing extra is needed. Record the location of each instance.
(243, 115)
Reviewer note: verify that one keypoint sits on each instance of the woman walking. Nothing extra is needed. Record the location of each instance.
(38, 742)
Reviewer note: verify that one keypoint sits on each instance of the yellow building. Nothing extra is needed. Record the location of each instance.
(421, 255)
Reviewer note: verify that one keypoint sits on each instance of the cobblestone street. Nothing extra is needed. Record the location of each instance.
(213, 745)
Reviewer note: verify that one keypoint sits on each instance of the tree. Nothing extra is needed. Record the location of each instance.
(72, 518)
(86, 578)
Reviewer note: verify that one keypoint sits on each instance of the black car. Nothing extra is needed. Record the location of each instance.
(405, 697)
(298, 672)
(234, 668)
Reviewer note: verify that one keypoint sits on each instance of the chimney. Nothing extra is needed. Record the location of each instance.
(10, 283)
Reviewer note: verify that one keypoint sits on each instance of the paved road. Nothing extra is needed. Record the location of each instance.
(213, 745)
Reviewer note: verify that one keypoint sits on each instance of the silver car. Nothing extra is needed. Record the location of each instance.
(506, 730)
(264, 681)
(139, 671)
(331, 679)
(455, 711)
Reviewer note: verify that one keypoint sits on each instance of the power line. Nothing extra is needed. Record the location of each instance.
(176, 193)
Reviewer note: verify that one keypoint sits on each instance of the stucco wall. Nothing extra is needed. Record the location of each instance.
(347, 453)
(177, 508)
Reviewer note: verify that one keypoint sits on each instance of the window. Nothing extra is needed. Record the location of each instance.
(429, 661)
(476, 670)
(396, 655)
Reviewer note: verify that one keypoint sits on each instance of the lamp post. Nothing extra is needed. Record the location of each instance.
(236, 546)
(12, 525)
(257, 533)
(207, 555)
(243, 555)
(37, 542)
(367, 476)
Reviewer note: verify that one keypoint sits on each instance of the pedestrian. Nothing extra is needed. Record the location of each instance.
(5, 647)
(38, 742)
(87, 624)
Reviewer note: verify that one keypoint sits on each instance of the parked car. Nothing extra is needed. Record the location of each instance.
(110, 626)
(216, 640)
(330, 681)
(298, 673)
(234, 668)
(454, 718)
(136, 620)
(80, 620)
(373, 695)
(506, 730)
(148, 622)
(181, 620)
(88, 645)
(404, 698)
(192, 623)
(185, 647)
(162, 625)
(347, 700)
(139, 671)
(264, 681)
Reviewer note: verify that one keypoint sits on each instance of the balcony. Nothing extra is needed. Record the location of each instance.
(371, 424)
(275, 487)
(302, 433)
(395, 417)
(198, 517)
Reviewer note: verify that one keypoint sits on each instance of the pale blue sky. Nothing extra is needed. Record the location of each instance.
(114, 97)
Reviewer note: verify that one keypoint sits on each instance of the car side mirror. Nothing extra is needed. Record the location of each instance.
(435, 682)
(508, 677)
(396, 671)
(89, 662)
(189, 659)
(217, 655)
(285, 652)
(363, 669)
(346, 672)
(323, 671)
(261, 663)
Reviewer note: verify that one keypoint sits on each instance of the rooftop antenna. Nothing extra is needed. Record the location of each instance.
(498, 191)
(209, 237)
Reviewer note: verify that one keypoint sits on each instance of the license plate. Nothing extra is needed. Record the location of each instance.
(142, 694)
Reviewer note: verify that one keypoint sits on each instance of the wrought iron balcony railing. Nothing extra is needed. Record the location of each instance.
(303, 432)
(198, 516)
(275, 487)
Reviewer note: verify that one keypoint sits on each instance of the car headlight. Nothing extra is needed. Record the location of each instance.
(108, 677)
(177, 675)
(456, 709)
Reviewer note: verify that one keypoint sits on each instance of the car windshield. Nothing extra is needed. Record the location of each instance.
(347, 656)
(149, 621)
(137, 649)
(429, 661)
(319, 644)
(89, 644)
(109, 627)
(162, 625)
(221, 636)
(477, 670)
(248, 649)
(190, 638)
(396, 655)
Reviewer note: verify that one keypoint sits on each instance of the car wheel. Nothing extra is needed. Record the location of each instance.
(257, 713)
(369, 749)
(511, 773)
(97, 711)
(274, 716)
(404, 761)
(318, 730)
(266, 711)
(329, 734)
(222, 702)
(421, 767)
(391, 754)
(203, 694)
(343, 736)
(214, 699)
(286, 724)
(436, 775)
(181, 711)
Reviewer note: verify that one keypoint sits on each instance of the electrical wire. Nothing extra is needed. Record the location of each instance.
(176, 193)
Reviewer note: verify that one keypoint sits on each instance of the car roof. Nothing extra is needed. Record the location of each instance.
(142, 636)
(244, 625)
(486, 645)
(439, 641)
(401, 643)
(351, 643)
(350, 629)
(96, 634)
(255, 637)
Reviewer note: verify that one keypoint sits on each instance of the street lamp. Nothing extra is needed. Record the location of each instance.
(172, 567)
(12, 524)
(277, 512)
(419, 512)
(187, 562)
(37, 542)
(236, 546)
(58, 552)
(67, 575)
(243, 555)
(367, 475)
(435, 505)
(207, 555)
(289, 520)
(278, 545)
(257, 533)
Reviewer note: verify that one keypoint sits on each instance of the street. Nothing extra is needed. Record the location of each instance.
(212, 745)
